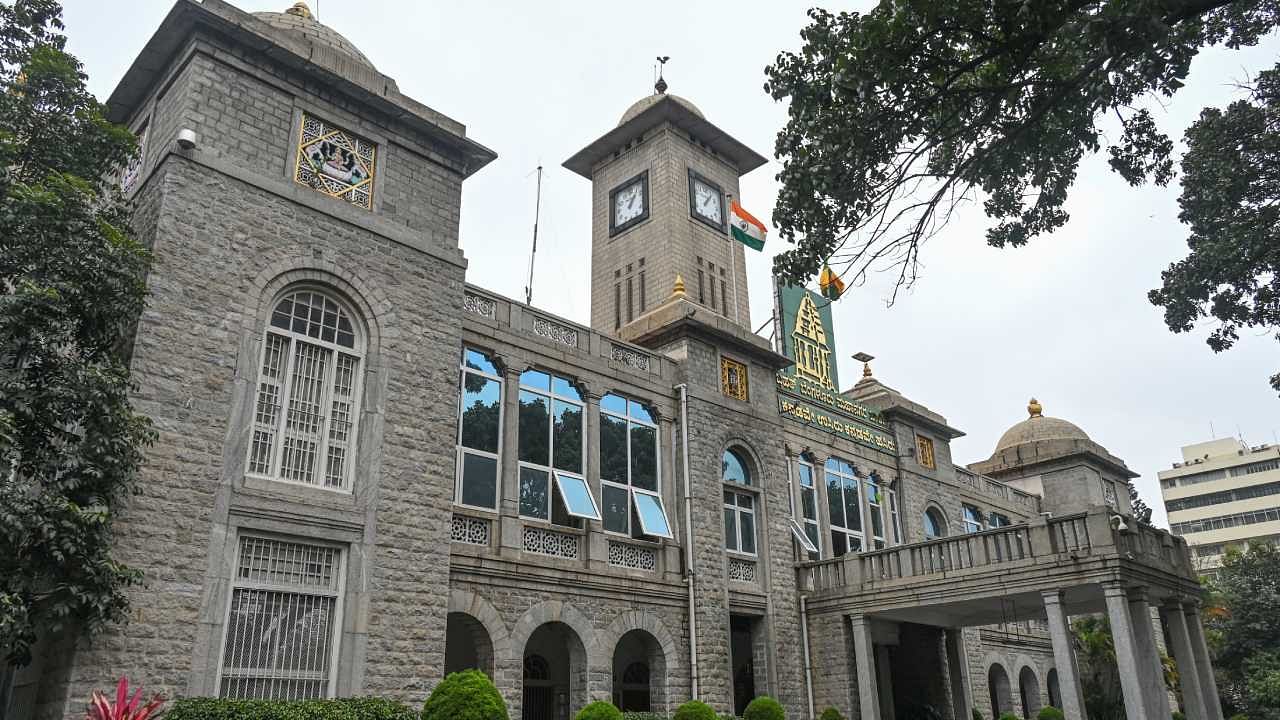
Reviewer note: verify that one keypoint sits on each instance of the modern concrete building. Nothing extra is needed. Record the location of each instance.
(1223, 493)
(370, 473)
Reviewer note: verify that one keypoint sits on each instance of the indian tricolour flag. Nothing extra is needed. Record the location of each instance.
(745, 228)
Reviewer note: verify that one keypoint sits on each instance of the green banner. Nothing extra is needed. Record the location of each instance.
(809, 390)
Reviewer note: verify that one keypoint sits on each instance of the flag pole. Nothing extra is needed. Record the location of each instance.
(732, 259)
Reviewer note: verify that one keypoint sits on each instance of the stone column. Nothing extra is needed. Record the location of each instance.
(1208, 686)
(864, 656)
(1184, 655)
(509, 466)
(1127, 653)
(957, 665)
(1148, 655)
(1064, 657)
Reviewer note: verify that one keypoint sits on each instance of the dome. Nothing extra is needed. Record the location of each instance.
(649, 101)
(298, 23)
(1039, 427)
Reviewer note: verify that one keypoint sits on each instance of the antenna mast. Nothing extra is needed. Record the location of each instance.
(537, 208)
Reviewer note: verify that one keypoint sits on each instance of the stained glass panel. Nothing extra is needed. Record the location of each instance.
(336, 162)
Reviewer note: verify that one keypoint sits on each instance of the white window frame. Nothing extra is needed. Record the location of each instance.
(285, 390)
(460, 451)
(339, 595)
(567, 507)
(896, 519)
(799, 517)
(968, 525)
(550, 395)
(644, 529)
(629, 487)
(860, 535)
(879, 542)
(739, 511)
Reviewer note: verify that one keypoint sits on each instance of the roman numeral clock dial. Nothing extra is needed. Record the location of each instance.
(629, 204)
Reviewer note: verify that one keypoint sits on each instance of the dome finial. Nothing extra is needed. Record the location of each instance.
(678, 289)
(661, 86)
(300, 9)
(1034, 408)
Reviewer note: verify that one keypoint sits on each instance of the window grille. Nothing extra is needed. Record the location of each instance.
(469, 530)
(843, 481)
(282, 621)
(479, 431)
(549, 542)
(924, 451)
(742, 570)
(304, 420)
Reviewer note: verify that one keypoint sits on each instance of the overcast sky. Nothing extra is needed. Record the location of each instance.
(1065, 319)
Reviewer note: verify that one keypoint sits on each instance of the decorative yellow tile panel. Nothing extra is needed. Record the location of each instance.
(733, 379)
(335, 162)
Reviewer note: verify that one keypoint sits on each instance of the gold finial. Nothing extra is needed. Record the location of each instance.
(866, 369)
(300, 9)
(1034, 408)
(865, 359)
(678, 290)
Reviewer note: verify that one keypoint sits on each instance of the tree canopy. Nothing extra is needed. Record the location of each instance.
(1243, 630)
(72, 284)
(902, 114)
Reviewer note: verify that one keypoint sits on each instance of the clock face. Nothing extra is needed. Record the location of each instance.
(629, 203)
(706, 202)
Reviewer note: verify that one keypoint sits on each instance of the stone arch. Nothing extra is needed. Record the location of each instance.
(587, 669)
(940, 515)
(1029, 691)
(745, 450)
(474, 616)
(664, 663)
(373, 308)
(999, 689)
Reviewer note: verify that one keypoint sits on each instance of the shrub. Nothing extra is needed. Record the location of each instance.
(695, 710)
(357, 708)
(1239, 716)
(466, 695)
(1049, 712)
(1009, 716)
(830, 714)
(599, 710)
(977, 714)
(644, 716)
(764, 708)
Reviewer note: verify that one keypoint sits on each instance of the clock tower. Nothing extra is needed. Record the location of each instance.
(661, 185)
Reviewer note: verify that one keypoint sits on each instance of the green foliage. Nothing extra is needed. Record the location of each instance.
(1245, 636)
(1010, 716)
(1176, 715)
(975, 712)
(357, 708)
(900, 114)
(599, 710)
(695, 710)
(1239, 716)
(831, 713)
(1049, 712)
(466, 695)
(72, 284)
(1229, 191)
(1096, 655)
(763, 708)
(643, 716)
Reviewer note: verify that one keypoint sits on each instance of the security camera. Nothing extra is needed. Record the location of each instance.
(187, 138)
(1118, 524)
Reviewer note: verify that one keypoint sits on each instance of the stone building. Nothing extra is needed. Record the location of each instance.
(370, 473)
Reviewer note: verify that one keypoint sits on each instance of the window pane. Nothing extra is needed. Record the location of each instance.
(877, 521)
(614, 404)
(732, 469)
(748, 521)
(533, 493)
(480, 397)
(304, 419)
(477, 360)
(805, 541)
(577, 496)
(851, 515)
(730, 529)
(806, 476)
(745, 501)
(535, 379)
(640, 412)
(613, 449)
(567, 436)
(835, 499)
(565, 389)
(267, 414)
(644, 457)
(839, 543)
(341, 419)
(479, 481)
(808, 504)
(811, 529)
(535, 428)
(617, 511)
(653, 519)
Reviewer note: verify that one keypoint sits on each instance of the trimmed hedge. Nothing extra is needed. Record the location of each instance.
(357, 708)
(466, 695)
(599, 710)
(1049, 712)
(977, 714)
(695, 710)
(644, 716)
(763, 708)
(1010, 716)
(833, 714)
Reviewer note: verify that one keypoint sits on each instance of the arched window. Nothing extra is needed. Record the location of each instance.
(739, 507)
(308, 399)
(934, 525)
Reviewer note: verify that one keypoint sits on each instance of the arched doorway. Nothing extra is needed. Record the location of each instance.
(1055, 693)
(467, 645)
(639, 672)
(1029, 690)
(555, 673)
(1000, 690)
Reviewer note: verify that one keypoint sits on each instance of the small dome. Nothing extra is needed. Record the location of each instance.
(298, 22)
(1039, 427)
(649, 101)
